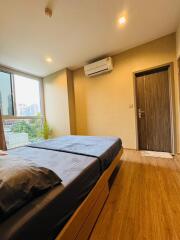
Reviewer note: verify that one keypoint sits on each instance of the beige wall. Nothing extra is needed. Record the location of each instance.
(178, 41)
(58, 102)
(104, 103)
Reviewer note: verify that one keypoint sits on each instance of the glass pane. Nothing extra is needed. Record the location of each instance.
(19, 132)
(5, 94)
(27, 93)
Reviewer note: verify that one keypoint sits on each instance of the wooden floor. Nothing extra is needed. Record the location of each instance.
(144, 202)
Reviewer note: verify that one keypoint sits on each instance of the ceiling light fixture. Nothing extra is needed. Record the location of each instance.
(122, 20)
(48, 59)
(48, 12)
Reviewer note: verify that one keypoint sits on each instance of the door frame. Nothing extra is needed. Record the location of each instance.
(170, 67)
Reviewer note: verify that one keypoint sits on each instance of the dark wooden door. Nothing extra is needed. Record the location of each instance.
(153, 110)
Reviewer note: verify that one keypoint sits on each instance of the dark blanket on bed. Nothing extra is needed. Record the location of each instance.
(20, 182)
(103, 148)
(44, 216)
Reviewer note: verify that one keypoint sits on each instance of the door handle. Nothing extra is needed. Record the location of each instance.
(140, 113)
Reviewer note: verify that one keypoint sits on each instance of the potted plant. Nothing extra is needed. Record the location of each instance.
(46, 130)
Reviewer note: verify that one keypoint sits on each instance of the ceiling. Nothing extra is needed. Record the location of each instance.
(79, 30)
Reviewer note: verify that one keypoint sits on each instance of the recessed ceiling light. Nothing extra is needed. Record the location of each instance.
(122, 20)
(49, 59)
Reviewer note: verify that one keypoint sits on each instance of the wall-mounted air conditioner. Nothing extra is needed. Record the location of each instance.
(98, 67)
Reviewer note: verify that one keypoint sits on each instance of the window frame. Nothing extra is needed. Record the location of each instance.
(11, 85)
(12, 72)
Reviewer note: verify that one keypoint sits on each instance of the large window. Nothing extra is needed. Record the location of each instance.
(21, 107)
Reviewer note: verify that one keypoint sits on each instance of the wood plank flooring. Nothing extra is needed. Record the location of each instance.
(144, 201)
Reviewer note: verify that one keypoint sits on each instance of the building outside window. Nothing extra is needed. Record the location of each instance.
(21, 104)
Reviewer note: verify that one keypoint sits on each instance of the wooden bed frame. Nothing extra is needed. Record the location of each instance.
(84, 218)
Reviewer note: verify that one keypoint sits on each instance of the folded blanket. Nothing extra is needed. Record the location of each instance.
(20, 182)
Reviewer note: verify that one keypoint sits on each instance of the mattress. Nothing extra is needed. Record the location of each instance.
(103, 148)
(79, 161)
(45, 216)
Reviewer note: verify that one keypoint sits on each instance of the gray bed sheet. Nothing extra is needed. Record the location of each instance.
(45, 216)
(104, 148)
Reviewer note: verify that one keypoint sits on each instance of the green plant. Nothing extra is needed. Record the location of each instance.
(35, 128)
(32, 127)
(46, 131)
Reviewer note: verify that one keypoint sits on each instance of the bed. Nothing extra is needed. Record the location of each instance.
(84, 164)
